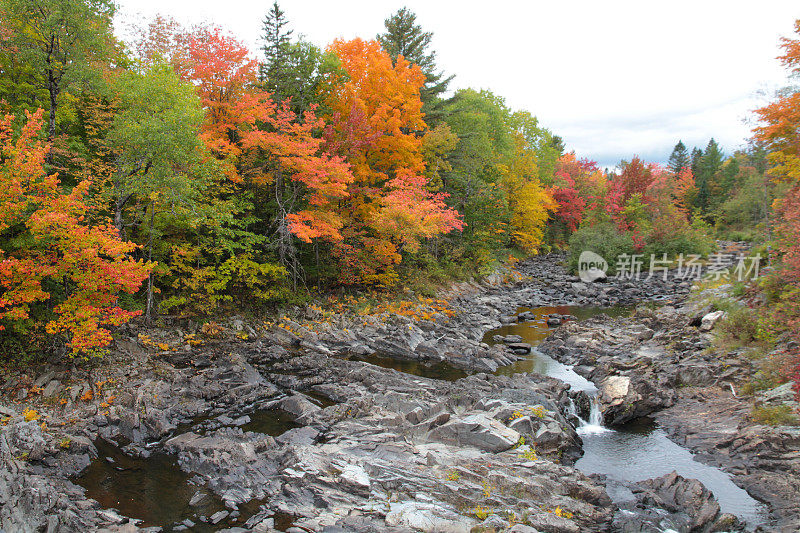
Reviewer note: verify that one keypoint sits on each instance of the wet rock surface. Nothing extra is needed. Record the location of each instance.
(765, 460)
(288, 428)
(673, 503)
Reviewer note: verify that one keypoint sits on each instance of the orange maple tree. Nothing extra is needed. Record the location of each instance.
(222, 71)
(780, 133)
(76, 267)
(277, 141)
(376, 118)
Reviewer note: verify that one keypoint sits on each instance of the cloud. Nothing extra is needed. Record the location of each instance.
(651, 136)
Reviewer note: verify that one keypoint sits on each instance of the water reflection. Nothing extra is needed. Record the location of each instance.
(272, 422)
(440, 370)
(641, 450)
(535, 331)
(154, 490)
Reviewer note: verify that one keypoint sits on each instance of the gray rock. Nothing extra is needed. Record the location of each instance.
(218, 517)
(520, 347)
(522, 528)
(678, 494)
(355, 476)
(477, 430)
(427, 517)
(45, 378)
(198, 498)
(298, 405)
(305, 435)
(782, 394)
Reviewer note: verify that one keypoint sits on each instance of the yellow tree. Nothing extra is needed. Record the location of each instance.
(529, 202)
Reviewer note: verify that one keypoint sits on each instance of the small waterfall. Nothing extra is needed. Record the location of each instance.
(595, 414)
(595, 423)
(571, 409)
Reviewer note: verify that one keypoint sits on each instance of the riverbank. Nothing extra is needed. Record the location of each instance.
(284, 425)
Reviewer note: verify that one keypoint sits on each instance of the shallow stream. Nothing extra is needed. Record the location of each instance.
(631, 453)
(156, 491)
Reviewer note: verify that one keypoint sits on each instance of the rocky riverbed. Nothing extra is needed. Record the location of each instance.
(291, 428)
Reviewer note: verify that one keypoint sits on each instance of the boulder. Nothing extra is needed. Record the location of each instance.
(626, 398)
(478, 431)
(356, 477)
(782, 394)
(675, 493)
(520, 348)
(298, 405)
(708, 321)
(427, 517)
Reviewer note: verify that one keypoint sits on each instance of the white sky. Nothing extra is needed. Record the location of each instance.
(613, 78)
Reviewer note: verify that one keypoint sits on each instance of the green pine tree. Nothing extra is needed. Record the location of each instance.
(405, 37)
(298, 70)
(274, 72)
(707, 167)
(679, 158)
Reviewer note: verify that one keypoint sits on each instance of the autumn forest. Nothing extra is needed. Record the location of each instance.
(180, 173)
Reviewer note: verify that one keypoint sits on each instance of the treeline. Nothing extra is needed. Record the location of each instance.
(182, 173)
(733, 193)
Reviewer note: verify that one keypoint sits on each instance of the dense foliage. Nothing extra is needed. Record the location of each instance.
(778, 133)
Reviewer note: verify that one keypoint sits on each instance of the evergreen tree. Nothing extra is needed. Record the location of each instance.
(274, 72)
(730, 175)
(707, 167)
(405, 37)
(679, 158)
(296, 70)
(558, 144)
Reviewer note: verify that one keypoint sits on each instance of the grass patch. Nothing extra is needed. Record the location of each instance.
(775, 415)
(771, 369)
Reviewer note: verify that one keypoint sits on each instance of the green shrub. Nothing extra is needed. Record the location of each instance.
(740, 323)
(775, 415)
(603, 239)
(686, 240)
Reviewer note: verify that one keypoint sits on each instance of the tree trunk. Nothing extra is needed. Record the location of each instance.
(148, 309)
(287, 255)
(53, 90)
(316, 257)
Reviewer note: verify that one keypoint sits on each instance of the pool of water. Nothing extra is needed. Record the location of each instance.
(535, 331)
(154, 490)
(440, 370)
(642, 450)
(270, 422)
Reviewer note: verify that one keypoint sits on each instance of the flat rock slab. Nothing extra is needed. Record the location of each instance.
(478, 431)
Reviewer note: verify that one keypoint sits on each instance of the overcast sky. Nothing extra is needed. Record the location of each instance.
(613, 78)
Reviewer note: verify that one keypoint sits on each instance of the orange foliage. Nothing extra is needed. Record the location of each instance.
(222, 72)
(781, 120)
(289, 146)
(377, 114)
(65, 249)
